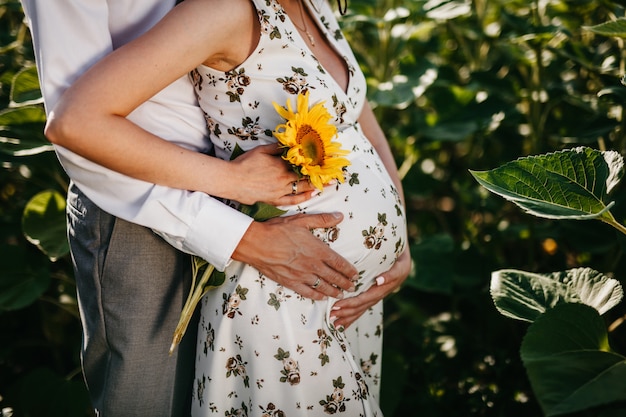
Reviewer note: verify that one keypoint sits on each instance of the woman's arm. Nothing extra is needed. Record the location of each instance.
(374, 133)
(347, 311)
(91, 117)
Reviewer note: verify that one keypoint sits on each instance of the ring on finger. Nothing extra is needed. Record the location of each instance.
(318, 281)
(294, 187)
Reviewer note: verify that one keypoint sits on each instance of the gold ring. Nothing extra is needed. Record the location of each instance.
(317, 283)
(294, 187)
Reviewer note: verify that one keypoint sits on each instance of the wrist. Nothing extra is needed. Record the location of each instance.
(246, 248)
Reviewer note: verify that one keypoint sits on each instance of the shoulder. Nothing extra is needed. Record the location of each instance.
(225, 30)
(216, 26)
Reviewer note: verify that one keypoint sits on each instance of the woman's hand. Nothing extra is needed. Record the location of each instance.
(260, 174)
(348, 310)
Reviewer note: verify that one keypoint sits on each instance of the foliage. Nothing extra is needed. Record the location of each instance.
(456, 85)
(566, 351)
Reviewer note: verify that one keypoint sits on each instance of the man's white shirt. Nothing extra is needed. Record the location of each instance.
(71, 35)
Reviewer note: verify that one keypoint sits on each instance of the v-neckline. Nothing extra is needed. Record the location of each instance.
(327, 39)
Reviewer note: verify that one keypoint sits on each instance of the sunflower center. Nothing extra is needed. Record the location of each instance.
(311, 144)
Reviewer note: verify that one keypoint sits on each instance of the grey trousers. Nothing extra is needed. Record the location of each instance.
(131, 289)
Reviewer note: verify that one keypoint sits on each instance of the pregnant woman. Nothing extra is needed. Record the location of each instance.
(257, 66)
(279, 351)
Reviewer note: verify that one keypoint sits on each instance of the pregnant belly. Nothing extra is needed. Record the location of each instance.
(373, 231)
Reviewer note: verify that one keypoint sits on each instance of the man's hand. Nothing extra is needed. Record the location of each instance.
(285, 250)
(348, 310)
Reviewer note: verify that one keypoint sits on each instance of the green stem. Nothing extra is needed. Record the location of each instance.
(616, 225)
(190, 306)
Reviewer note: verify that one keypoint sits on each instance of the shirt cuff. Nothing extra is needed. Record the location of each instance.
(213, 238)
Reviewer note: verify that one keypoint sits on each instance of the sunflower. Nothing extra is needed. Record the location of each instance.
(307, 136)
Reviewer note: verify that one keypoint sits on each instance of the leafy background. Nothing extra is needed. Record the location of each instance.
(457, 86)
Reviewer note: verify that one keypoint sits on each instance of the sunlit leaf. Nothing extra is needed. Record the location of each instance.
(43, 223)
(572, 184)
(569, 363)
(21, 131)
(525, 296)
(446, 9)
(25, 87)
(614, 28)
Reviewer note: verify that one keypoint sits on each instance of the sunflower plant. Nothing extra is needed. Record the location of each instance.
(307, 137)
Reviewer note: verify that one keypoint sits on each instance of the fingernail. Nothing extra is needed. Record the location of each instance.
(332, 182)
(332, 319)
(352, 289)
(380, 280)
(355, 278)
(335, 308)
(337, 215)
(339, 296)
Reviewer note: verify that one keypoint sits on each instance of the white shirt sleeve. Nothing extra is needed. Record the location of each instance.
(71, 35)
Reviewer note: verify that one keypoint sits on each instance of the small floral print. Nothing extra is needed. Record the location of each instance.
(249, 129)
(235, 366)
(231, 304)
(366, 365)
(237, 412)
(266, 27)
(295, 83)
(209, 340)
(324, 340)
(335, 402)
(354, 179)
(201, 384)
(339, 107)
(364, 391)
(271, 411)
(291, 369)
(236, 80)
(277, 297)
(375, 236)
(327, 235)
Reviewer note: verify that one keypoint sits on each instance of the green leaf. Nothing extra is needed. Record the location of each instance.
(20, 285)
(614, 28)
(25, 87)
(21, 131)
(571, 184)
(43, 224)
(261, 211)
(569, 363)
(525, 296)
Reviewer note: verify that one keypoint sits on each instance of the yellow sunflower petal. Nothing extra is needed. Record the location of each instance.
(307, 135)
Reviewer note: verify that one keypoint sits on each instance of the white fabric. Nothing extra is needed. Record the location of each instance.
(68, 37)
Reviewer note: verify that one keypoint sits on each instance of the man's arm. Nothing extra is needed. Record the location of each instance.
(69, 37)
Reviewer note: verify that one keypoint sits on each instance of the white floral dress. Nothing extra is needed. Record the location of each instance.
(263, 350)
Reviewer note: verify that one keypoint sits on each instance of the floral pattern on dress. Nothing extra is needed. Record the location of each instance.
(263, 349)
